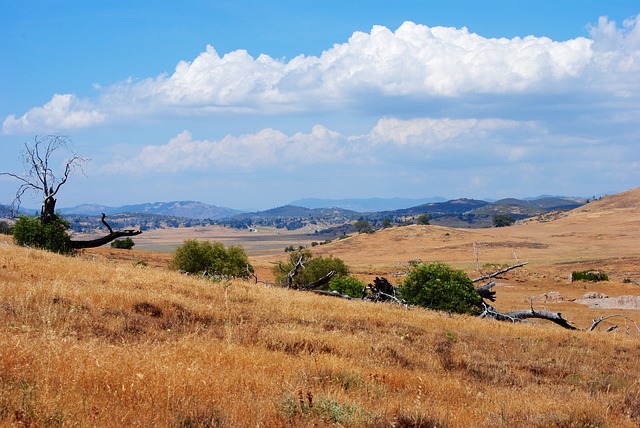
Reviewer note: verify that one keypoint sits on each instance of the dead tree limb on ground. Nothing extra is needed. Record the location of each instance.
(516, 316)
(600, 319)
(334, 294)
(92, 243)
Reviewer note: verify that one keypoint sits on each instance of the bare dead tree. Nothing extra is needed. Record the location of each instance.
(293, 272)
(40, 177)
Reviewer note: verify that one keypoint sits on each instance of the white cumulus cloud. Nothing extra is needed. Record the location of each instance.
(269, 148)
(64, 111)
(414, 62)
(266, 148)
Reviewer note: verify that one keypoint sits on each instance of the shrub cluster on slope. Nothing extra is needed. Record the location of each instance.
(214, 259)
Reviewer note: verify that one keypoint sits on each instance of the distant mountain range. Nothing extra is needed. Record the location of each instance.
(365, 205)
(457, 212)
(184, 209)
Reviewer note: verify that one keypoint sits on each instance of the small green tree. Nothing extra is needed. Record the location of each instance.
(309, 269)
(52, 236)
(202, 256)
(363, 226)
(6, 228)
(439, 286)
(503, 220)
(347, 285)
(386, 223)
(123, 244)
(423, 219)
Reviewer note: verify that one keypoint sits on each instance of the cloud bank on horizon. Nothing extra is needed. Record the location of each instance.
(429, 101)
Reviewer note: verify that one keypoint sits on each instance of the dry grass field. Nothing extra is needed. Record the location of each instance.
(103, 340)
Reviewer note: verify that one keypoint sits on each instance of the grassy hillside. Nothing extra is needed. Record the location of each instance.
(86, 341)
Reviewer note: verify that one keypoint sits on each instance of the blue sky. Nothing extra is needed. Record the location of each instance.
(252, 104)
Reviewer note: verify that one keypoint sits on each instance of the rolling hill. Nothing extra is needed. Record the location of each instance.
(107, 339)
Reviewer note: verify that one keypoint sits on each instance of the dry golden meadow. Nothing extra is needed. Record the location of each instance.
(114, 338)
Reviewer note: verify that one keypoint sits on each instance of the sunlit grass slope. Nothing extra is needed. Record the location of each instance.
(94, 343)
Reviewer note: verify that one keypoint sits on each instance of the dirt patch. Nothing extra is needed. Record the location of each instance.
(620, 302)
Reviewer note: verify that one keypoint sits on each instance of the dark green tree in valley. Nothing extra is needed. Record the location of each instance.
(423, 219)
(503, 220)
(363, 226)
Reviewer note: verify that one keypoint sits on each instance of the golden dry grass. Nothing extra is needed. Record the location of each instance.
(93, 342)
(100, 340)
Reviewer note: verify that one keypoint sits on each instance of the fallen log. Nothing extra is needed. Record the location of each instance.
(517, 316)
(113, 235)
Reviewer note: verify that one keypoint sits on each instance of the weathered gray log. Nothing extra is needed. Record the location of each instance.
(334, 294)
(517, 316)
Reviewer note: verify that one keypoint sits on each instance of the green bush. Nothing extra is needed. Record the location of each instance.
(589, 276)
(423, 219)
(347, 285)
(202, 256)
(313, 270)
(503, 220)
(5, 228)
(124, 244)
(363, 226)
(438, 286)
(30, 232)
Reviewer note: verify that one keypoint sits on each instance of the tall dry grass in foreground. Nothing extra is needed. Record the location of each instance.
(92, 343)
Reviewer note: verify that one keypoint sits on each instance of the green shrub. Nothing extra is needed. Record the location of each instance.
(438, 286)
(363, 226)
(423, 219)
(30, 232)
(313, 270)
(589, 276)
(202, 256)
(503, 220)
(124, 244)
(5, 228)
(347, 285)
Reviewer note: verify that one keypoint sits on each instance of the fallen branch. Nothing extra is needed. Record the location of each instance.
(92, 243)
(334, 294)
(599, 320)
(517, 316)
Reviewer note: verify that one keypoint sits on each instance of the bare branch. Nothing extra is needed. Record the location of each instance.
(600, 319)
(318, 283)
(105, 223)
(500, 272)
